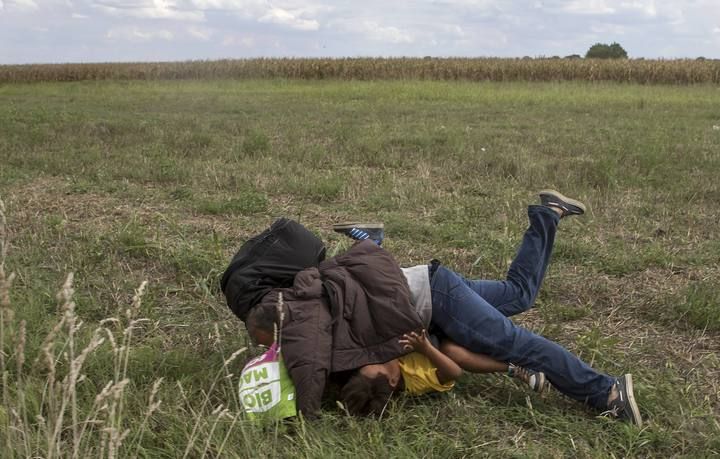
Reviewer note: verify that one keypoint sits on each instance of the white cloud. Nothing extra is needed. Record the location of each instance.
(79, 16)
(452, 30)
(293, 14)
(622, 8)
(135, 34)
(148, 9)
(645, 7)
(372, 30)
(229, 5)
(283, 17)
(716, 30)
(241, 41)
(390, 34)
(588, 7)
(200, 33)
(475, 4)
(606, 30)
(19, 5)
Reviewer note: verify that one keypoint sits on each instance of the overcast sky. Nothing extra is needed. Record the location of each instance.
(162, 30)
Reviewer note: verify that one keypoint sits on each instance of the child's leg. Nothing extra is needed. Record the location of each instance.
(481, 363)
(471, 361)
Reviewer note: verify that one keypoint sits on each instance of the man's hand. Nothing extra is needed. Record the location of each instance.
(416, 342)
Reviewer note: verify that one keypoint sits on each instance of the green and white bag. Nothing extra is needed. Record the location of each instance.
(266, 390)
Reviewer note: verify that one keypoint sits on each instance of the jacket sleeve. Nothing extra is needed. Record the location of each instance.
(307, 341)
(306, 347)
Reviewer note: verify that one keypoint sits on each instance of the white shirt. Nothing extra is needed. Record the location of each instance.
(418, 279)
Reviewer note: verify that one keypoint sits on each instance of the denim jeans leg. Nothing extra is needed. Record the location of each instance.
(527, 271)
(466, 318)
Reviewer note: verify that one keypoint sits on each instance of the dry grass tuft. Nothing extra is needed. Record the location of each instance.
(58, 427)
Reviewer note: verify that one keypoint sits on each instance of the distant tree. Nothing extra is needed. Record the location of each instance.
(603, 51)
(617, 51)
(573, 56)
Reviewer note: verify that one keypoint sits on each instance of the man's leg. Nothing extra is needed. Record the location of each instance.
(470, 321)
(527, 271)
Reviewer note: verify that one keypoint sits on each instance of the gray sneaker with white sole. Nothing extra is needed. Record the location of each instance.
(552, 198)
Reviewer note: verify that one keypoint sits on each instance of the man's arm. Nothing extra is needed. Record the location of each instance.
(306, 346)
(447, 369)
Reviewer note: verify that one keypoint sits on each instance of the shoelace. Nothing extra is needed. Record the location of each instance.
(523, 375)
(611, 412)
(615, 404)
(559, 206)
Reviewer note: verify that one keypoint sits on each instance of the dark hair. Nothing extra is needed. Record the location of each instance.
(363, 396)
(262, 316)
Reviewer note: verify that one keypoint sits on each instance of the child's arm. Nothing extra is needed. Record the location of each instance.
(447, 370)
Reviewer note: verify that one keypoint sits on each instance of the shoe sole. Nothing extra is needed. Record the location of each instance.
(544, 384)
(347, 226)
(637, 419)
(563, 198)
(540, 383)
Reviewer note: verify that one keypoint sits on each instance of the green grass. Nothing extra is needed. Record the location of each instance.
(121, 182)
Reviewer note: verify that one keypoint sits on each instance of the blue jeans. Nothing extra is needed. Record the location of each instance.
(474, 314)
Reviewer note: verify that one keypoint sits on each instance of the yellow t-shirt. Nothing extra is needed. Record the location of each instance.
(420, 375)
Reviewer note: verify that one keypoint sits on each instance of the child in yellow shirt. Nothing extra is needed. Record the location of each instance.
(426, 369)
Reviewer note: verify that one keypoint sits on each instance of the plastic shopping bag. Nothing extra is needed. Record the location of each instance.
(265, 388)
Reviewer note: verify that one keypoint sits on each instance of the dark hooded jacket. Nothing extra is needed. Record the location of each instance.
(348, 312)
(267, 261)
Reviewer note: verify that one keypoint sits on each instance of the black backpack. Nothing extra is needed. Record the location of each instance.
(267, 261)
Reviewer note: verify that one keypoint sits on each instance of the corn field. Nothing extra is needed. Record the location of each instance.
(681, 72)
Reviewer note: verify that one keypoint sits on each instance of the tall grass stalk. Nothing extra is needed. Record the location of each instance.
(218, 412)
(61, 426)
(6, 318)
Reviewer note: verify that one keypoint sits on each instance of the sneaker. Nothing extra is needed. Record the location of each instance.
(535, 379)
(624, 406)
(362, 231)
(552, 198)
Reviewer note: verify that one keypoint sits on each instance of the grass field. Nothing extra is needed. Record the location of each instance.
(122, 182)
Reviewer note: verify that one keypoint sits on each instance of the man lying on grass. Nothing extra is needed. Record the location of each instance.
(474, 314)
(351, 312)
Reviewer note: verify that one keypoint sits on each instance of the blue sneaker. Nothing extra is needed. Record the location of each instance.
(362, 231)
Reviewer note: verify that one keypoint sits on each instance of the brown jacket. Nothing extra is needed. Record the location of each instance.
(348, 313)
